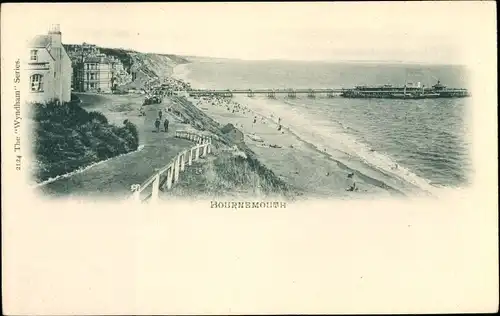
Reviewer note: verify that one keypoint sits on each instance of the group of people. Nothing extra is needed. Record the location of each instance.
(158, 122)
(175, 84)
(236, 107)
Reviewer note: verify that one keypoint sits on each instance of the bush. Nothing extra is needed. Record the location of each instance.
(67, 138)
(98, 116)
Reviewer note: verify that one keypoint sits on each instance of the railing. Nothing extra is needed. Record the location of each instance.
(164, 178)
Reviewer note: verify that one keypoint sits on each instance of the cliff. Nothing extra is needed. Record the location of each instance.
(135, 69)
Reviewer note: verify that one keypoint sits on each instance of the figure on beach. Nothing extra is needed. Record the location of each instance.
(157, 125)
(165, 125)
(160, 113)
(351, 184)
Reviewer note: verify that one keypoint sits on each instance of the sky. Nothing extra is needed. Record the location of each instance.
(427, 32)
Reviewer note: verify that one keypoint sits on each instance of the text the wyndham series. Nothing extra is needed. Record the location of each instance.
(17, 118)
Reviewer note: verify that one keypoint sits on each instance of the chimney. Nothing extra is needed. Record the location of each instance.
(55, 35)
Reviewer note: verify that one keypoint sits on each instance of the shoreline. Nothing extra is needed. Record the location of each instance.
(306, 156)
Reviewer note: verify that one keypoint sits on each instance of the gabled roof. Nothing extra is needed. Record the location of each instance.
(39, 41)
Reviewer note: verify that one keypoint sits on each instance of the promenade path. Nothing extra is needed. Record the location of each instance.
(114, 177)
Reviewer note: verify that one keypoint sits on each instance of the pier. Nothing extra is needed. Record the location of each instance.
(356, 93)
(270, 93)
(359, 92)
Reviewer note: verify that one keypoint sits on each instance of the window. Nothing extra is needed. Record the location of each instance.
(34, 55)
(36, 83)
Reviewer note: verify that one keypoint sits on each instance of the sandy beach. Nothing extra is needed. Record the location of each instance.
(296, 161)
(290, 158)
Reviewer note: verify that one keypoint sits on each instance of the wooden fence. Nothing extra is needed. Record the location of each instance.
(164, 178)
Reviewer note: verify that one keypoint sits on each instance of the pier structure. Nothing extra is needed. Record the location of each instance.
(227, 94)
(330, 93)
(292, 94)
(270, 93)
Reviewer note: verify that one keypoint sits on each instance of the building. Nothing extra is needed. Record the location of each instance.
(95, 73)
(48, 68)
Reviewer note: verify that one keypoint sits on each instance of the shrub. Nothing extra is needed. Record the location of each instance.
(98, 116)
(67, 137)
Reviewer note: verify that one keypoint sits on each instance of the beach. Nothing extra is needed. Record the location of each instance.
(317, 171)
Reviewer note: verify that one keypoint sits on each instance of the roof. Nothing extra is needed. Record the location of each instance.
(40, 41)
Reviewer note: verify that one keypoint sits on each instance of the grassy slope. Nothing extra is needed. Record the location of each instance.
(229, 172)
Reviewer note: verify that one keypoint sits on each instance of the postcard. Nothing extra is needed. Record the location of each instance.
(244, 158)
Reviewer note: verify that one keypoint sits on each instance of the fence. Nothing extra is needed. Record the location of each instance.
(168, 175)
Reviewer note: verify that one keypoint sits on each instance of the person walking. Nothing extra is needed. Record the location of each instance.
(157, 125)
(160, 113)
(165, 125)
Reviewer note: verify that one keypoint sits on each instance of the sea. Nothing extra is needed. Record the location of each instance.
(428, 139)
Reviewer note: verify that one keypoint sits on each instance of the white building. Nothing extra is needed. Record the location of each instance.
(48, 69)
(97, 74)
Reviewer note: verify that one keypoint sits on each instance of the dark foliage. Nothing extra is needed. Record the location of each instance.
(121, 54)
(68, 137)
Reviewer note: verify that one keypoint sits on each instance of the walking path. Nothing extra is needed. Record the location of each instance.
(114, 178)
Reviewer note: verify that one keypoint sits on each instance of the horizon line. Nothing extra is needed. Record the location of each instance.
(186, 56)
